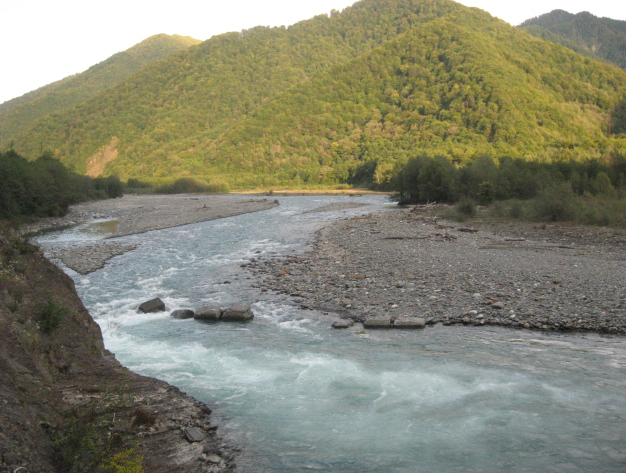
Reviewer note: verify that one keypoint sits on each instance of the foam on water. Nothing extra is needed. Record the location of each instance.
(302, 397)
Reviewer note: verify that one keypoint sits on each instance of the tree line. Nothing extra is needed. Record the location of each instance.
(427, 178)
(45, 187)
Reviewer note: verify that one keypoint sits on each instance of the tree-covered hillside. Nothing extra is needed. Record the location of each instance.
(18, 114)
(602, 38)
(343, 98)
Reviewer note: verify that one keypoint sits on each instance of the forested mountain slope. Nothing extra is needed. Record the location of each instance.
(334, 96)
(602, 38)
(17, 115)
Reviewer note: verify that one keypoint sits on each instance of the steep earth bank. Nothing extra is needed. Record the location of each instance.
(65, 400)
(404, 263)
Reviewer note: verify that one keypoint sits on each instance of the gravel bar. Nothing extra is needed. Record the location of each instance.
(405, 264)
(133, 214)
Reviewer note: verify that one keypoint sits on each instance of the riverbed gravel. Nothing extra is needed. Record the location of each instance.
(133, 214)
(404, 263)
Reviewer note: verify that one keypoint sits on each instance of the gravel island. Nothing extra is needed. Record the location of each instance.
(404, 264)
(133, 214)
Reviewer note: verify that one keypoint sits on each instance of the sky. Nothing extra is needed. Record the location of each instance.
(46, 40)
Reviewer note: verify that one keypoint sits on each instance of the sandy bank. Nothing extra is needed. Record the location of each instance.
(404, 264)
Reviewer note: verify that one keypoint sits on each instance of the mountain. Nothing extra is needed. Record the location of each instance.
(319, 101)
(602, 38)
(17, 114)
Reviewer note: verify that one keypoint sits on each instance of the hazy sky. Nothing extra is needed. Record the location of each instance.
(46, 40)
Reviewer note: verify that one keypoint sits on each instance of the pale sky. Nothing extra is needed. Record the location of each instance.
(47, 40)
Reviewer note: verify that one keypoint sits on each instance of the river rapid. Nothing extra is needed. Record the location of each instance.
(298, 396)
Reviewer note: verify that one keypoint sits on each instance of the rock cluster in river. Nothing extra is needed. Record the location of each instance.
(402, 265)
(232, 313)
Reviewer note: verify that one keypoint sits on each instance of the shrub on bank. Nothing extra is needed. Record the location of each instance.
(189, 185)
(556, 204)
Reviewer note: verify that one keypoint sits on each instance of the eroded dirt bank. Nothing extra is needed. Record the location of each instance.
(405, 264)
(64, 398)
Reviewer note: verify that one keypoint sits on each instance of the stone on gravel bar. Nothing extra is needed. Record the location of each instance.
(343, 323)
(183, 314)
(153, 305)
(377, 322)
(409, 322)
(209, 313)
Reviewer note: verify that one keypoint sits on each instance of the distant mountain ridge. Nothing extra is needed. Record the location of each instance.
(328, 98)
(17, 114)
(602, 38)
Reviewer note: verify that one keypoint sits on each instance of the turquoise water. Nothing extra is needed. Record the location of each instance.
(300, 397)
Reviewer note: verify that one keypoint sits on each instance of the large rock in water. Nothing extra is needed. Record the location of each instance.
(153, 305)
(209, 313)
(237, 313)
(183, 314)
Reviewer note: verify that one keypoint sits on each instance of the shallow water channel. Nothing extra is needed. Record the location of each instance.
(300, 396)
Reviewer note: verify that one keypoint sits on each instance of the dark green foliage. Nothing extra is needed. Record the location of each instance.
(434, 179)
(136, 184)
(109, 186)
(466, 207)
(51, 315)
(556, 204)
(45, 187)
(602, 38)
(183, 186)
(425, 179)
(82, 444)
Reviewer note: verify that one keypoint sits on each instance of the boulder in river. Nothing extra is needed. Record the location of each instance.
(237, 313)
(153, 305)
(209, 313)
(183, 314)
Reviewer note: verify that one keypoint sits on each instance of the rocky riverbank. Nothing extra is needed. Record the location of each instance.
(405, 265)
(133, 214)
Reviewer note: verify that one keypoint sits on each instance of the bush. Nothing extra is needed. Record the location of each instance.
(556, 204)
(486, 192)
(428, 179)
(516, 210)
(51, 315)
(467, 208)
(184, 185)
(218, 186)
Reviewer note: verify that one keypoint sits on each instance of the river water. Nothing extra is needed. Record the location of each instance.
(301, 397)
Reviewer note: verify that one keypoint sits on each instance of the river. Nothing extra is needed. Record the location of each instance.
(299, 396)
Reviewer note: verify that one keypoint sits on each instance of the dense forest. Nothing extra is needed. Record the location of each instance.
(601, 38)
(427, 178)
(44, 187)
(17, 115)
(346, 98)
